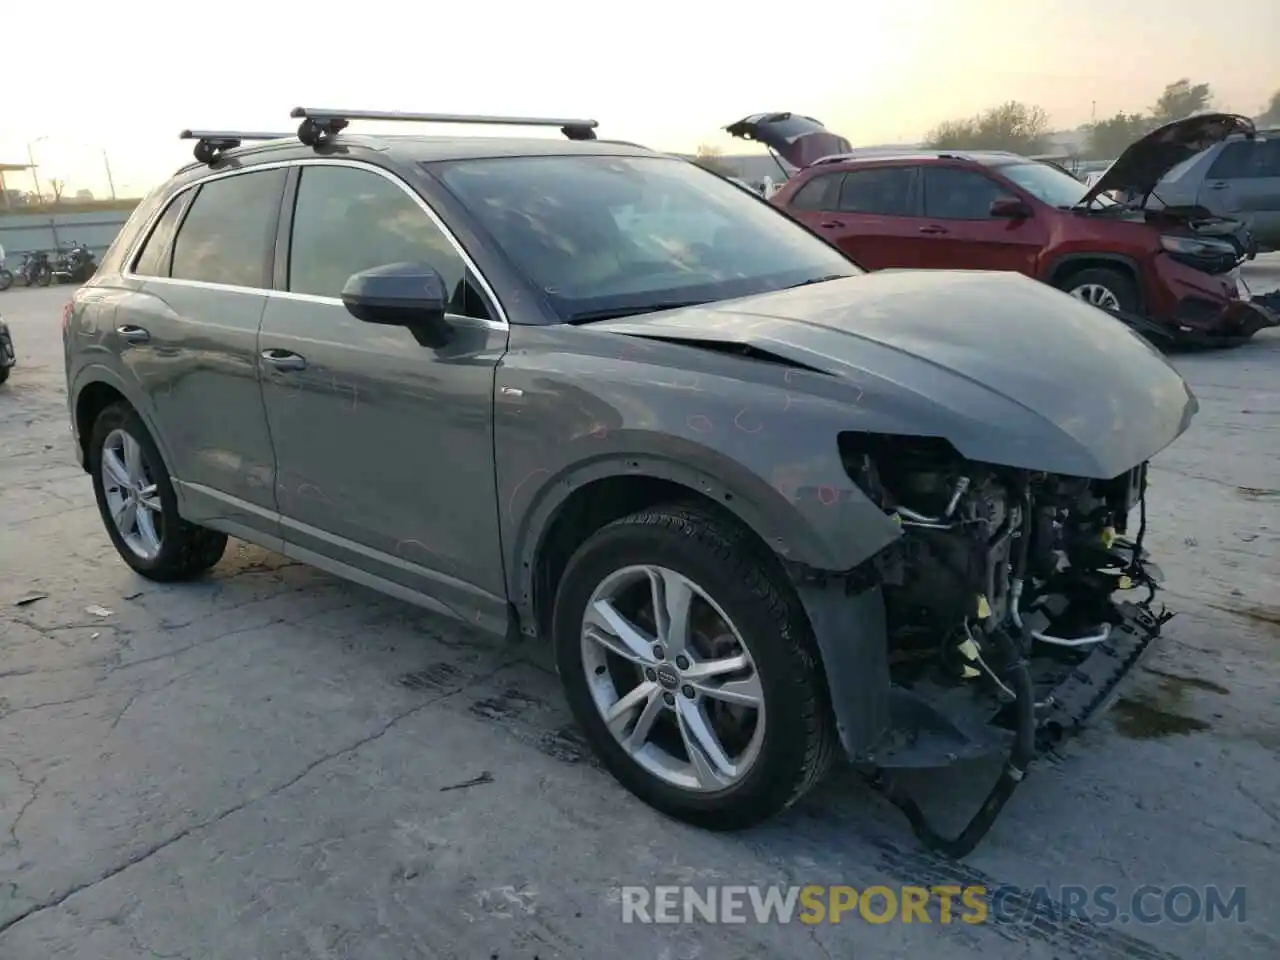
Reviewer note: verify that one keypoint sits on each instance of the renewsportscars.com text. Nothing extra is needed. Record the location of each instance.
(818, 904)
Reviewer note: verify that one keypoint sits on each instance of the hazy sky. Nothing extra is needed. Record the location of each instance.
(125, 78)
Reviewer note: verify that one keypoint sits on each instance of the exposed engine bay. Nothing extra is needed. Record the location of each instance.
(1003, 586)
(1191, 235)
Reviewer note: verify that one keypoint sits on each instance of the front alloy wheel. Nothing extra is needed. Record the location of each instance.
(672, 679)
(1097, 295)
(691, 667)
(132, 496)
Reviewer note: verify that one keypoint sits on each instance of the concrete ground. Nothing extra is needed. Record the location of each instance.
(259, 765)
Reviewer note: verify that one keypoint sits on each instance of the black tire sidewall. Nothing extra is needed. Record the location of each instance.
(779, 766)
(1121, 287)
(171, 547)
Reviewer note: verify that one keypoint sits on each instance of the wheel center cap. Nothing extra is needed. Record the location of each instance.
(668, 677)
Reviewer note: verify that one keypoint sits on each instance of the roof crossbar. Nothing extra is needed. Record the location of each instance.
(319, 126)
(212, 144)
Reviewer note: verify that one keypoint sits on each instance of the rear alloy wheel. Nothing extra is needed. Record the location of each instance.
(138, 504)
(1105, 289)
(693, 676)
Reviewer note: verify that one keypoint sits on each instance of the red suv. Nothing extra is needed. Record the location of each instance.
(1173, 274)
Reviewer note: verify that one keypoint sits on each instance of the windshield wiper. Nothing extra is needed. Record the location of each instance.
(617, 313)
(826, 279)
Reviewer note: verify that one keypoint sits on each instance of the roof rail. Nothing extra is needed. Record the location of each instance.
(212, 144)
(319, 126)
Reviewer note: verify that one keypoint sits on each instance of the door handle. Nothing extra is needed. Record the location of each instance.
(1220, 185)
(284, 360)
(933, 230)
(832, 224)
(134, 334)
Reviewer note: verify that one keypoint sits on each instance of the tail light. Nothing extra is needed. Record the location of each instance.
(67, 309)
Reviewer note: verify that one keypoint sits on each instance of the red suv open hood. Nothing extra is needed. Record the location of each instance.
(1145, 161)
(797, 139)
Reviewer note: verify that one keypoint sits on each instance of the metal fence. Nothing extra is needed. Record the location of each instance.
(24, 233)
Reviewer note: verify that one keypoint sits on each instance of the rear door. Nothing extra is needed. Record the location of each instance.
(384, 445)
(189, 337)
(866, 212)
(960, 232)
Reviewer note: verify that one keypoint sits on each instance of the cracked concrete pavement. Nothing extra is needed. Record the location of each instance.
(259, 764)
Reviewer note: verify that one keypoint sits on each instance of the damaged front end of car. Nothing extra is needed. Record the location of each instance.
(1006, 609)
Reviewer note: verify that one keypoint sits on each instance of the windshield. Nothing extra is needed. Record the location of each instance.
(1049, 184)
(609, 235)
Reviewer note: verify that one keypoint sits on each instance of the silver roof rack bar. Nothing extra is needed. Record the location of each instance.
(319, 125)
(212, 144)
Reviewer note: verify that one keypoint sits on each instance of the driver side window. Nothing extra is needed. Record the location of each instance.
(346, 220)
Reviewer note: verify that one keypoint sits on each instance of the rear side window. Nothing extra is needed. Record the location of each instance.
(1270, 158)
(882, 190)
(156, 253)
(820, 193)
(951, 193)
(229, 233)
(1238, 161)
(347, 220)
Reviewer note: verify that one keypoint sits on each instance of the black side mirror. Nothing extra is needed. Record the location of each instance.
(1010, 208)
(411, 295)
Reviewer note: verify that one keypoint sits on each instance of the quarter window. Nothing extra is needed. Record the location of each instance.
(156, 253)
(881, 190)
(954, 194)
(229, 233)
(347, 220)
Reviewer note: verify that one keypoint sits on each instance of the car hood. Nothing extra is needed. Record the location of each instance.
(1008, 370)
(1145, 161)
(797, 139)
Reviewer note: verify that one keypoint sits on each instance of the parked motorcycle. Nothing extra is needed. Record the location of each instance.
(7, 359)
(35, 269)
(75, 265)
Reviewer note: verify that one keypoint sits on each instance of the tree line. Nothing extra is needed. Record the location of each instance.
(1024, 128)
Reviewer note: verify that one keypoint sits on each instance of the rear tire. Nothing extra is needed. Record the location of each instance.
(742, 605)
(6, 280)
(1103, 288)
(162, 546)
(44, 277)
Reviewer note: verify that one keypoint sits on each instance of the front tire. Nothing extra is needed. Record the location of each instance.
(1105, 289)
(139, 506)
(715, 710)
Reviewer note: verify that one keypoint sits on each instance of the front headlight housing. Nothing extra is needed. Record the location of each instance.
(1198, 247)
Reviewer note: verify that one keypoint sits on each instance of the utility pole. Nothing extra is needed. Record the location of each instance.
(35, 179)
(1093, 112)
(106, 162)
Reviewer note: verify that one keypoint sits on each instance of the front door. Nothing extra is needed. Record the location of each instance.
(384, 446)
(961, 232)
